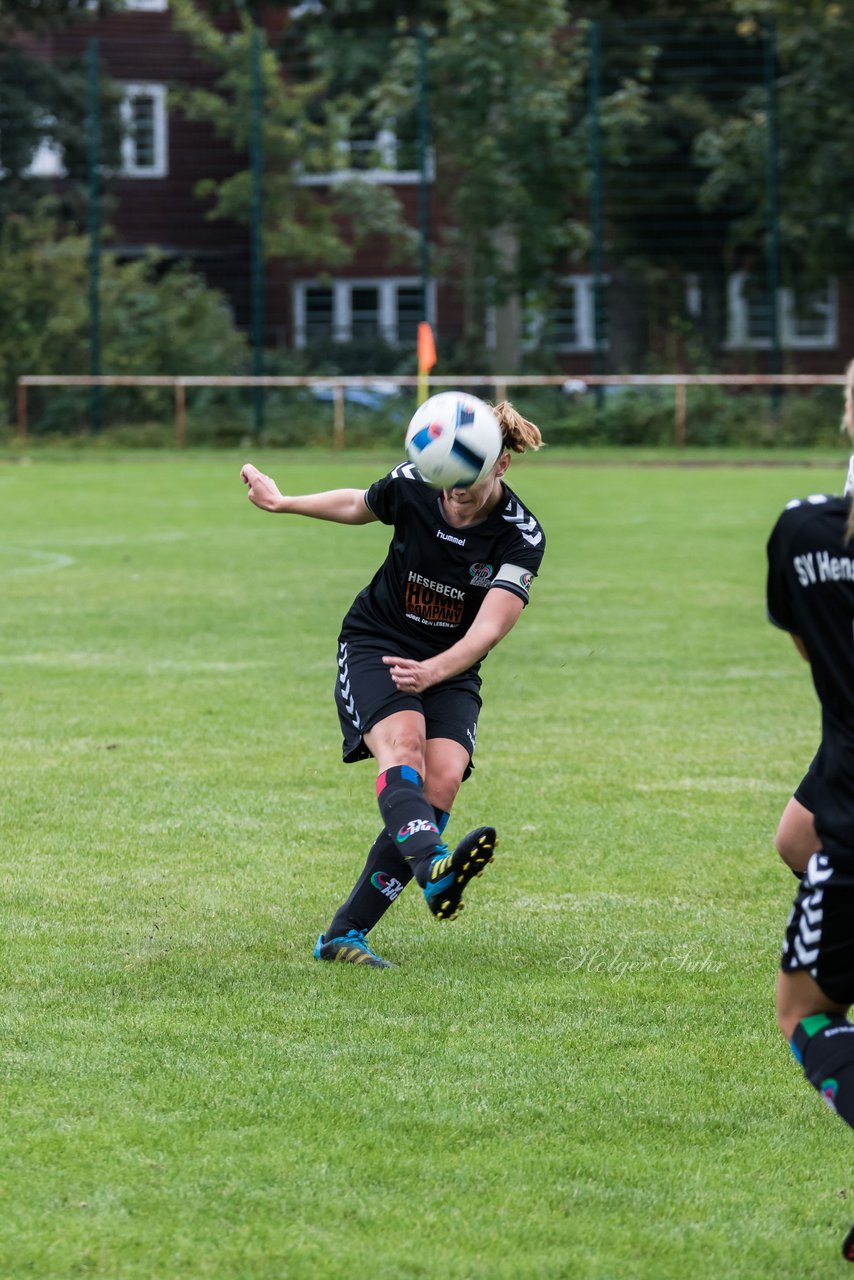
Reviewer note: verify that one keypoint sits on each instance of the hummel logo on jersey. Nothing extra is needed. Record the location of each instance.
(412, 829)
(449, 537)
(515, 513)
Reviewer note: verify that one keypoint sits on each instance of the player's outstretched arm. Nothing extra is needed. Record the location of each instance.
(344, 506)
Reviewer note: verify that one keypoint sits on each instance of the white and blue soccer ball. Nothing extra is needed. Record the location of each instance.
(454, 440)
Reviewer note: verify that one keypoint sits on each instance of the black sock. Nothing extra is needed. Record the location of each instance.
(824, 1046)
(409, 818)
(384, 877)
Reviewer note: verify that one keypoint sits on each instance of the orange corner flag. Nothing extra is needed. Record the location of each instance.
(426, 358)
(426, 348)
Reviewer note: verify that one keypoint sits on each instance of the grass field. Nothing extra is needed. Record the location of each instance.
(578, 1078)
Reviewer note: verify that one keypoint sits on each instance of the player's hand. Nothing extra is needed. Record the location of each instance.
(408, 675)
(263, 491)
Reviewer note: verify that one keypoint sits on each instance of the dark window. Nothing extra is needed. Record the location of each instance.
(365, 312)
(409, 313)
(143, 131)
(319, 305)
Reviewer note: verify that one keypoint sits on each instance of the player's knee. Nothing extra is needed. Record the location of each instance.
(441, 791)
(408, 749)
(787, 1020)
(797, 997)
(790, 1004)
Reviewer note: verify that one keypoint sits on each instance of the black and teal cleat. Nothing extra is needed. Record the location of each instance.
(351, 949)
(451, 872)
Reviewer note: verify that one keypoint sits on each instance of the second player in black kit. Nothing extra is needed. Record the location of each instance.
(810, 594)
(454, 582)
(795, 839)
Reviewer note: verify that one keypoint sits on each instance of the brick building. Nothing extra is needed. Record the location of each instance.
(164, 156)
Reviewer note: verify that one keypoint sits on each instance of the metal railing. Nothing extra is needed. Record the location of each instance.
(498, 382)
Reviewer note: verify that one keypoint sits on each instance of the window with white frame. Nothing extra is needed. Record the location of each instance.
(145, 149)
(387, 155)
(388, 310)
(808, 319)
(567, 324)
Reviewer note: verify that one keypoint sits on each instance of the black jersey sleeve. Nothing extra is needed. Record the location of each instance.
(383, 498)
(522, 552)
(778, 591)
(514, 578)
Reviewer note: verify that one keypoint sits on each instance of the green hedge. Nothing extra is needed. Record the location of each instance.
(297, 417)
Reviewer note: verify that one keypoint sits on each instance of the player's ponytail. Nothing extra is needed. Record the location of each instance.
(848, 425)
(518, 433)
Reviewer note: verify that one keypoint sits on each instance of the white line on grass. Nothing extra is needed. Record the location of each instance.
(123, 539)
(710, 784)
(119, 661)
(46, 561)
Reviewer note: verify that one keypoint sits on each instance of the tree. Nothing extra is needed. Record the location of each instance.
(664, 82)
(506, 95)
(702, 139)
(43, 101)
(304, 128)
(815, 49)
(155, 315)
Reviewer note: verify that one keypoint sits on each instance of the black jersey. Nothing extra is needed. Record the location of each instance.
(811, 595)
(427, 592)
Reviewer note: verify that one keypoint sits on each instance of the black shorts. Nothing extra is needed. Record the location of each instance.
(819, 938)
(805, 790)
(365, 694)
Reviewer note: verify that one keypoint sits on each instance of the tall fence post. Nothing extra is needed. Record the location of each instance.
(594, 94)
(256, 158)
(423, 173)
(775, 359)
(93, 148)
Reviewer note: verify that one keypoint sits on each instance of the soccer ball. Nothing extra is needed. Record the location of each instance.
(454, 440)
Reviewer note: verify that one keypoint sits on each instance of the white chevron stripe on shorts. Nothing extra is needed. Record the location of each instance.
(808, 938)
(347, 698)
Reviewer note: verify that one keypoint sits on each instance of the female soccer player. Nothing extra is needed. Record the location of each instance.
(796, 839)
(455, 580)
(811, 595)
